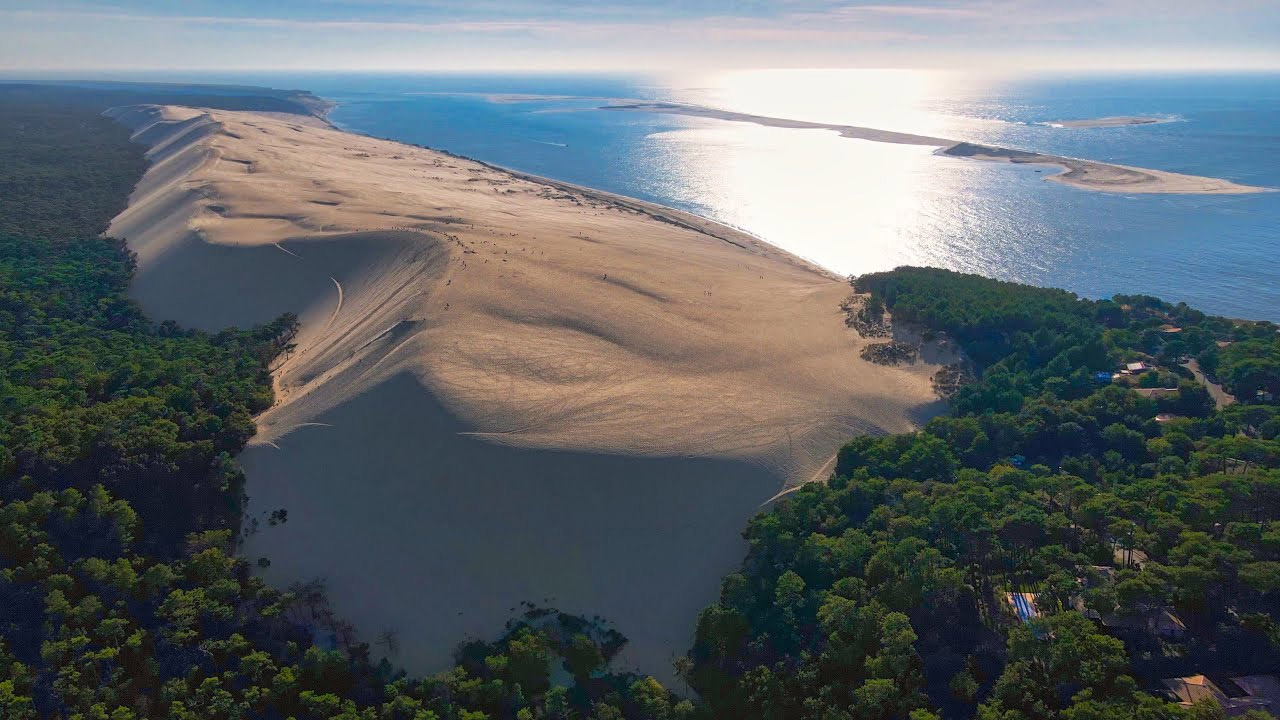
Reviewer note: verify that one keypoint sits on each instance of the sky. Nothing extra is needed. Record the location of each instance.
(612, 35)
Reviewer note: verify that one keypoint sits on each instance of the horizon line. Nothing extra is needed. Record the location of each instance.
(525, 70)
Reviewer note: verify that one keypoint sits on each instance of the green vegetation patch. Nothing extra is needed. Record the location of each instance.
(1053, 486)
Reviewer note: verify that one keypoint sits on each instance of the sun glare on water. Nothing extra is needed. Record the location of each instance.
(849, 205)
(885, 99)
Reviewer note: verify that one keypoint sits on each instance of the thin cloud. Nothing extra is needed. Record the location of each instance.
(587, 33)
(302, 23)
(908, 10)
(720, 26)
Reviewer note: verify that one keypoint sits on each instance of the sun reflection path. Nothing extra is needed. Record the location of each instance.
(844, 205)
(896, 99)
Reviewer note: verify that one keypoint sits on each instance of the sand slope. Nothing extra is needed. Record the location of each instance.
(505, 389)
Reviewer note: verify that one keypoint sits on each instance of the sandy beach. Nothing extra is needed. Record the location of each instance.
(505, 389)
(1087, 174)
(1104, 176)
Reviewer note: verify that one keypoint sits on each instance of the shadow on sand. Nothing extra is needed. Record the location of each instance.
(440, 535)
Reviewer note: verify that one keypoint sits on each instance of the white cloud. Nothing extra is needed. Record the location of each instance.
(610, 34)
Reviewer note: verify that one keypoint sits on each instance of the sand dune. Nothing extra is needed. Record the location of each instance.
(505, 388)
(1088, 174)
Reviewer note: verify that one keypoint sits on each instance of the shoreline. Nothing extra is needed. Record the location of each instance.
(675, 216)
(663, 213)
(1077, 172)
(1108, 177)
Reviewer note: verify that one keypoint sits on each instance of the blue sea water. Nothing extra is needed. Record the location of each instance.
(856, 206)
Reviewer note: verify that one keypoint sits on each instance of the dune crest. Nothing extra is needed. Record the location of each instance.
(544, 316)
(602, 348)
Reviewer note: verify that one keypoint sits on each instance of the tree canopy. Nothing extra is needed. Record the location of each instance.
(121, 595)
(882, 593)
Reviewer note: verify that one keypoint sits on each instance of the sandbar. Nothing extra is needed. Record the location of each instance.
(1087, 174)
(1103, 122)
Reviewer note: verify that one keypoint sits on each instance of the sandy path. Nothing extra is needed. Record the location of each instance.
(1221, 398)
(505, 388)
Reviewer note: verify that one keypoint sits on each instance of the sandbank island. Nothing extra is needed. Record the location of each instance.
(1116, 121)
(1086, 174)
(505, 389)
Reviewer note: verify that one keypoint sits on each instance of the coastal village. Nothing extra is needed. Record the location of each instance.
(1171, 378)
(1160, 628)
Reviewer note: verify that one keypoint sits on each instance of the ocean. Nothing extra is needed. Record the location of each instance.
(856, 206)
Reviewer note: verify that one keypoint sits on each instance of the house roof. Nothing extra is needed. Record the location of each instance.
(1161, 621)
(1259, 692)
(1166, 620)
(1260, 687)
(1106, 571)
(1192, 688)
